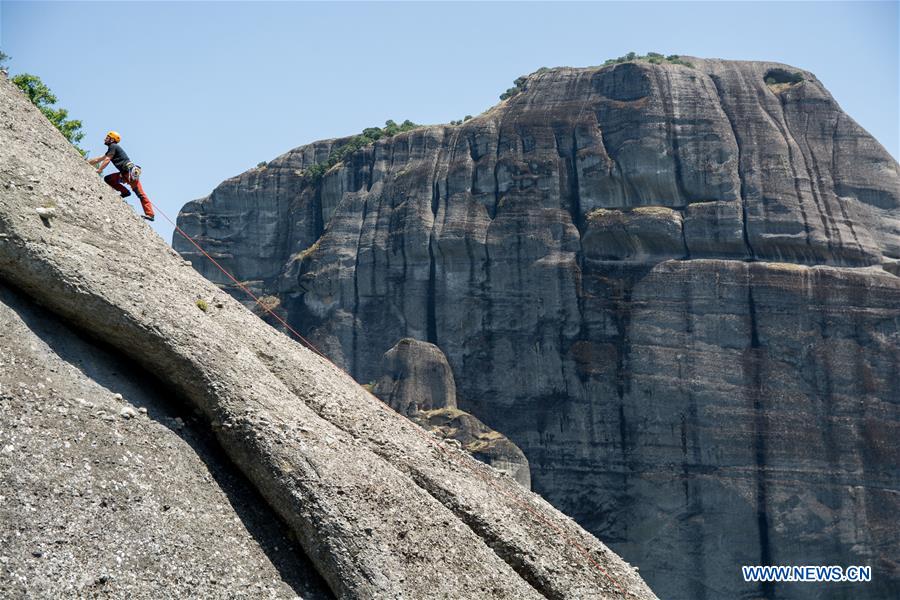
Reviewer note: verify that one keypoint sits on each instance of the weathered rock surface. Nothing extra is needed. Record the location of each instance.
(642, 234)
(675, 289)
(418, 383)
(381, 508)
(94, 506)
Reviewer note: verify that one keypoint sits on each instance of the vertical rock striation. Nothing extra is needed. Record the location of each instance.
(674, 288)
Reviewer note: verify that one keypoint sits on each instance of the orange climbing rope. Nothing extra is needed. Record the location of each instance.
(421, 432)
(246, 290)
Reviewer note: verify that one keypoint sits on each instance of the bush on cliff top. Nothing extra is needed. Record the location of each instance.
(519, 84)
(368, 136)
(652, 57)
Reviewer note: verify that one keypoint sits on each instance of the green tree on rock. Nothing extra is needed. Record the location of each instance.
(368, 136)
(41, 96)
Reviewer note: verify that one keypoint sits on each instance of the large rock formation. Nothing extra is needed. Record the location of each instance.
(381, 508)
(674, 288)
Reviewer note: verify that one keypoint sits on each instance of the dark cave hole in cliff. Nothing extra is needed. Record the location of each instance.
(776, 76)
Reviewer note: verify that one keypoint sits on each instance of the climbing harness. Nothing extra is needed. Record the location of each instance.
(132, 171)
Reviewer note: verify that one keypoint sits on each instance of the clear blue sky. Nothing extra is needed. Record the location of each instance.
(203, 91)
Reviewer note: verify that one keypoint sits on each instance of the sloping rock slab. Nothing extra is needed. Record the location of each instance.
(106, 489)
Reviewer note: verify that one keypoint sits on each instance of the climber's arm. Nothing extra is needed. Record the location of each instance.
(102, 160)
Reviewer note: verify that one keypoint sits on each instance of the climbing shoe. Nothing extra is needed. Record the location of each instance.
(148, 218)
(125, 194)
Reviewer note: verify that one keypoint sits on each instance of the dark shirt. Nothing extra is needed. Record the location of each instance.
(118, 156)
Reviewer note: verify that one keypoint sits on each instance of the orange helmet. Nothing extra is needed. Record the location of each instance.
(114, 136)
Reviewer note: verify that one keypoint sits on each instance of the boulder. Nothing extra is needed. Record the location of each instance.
(418, 383)
(416, 377)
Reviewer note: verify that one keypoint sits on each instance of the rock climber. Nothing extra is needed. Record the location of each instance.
(128, 173)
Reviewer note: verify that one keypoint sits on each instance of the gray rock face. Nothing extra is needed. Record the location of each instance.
(418, 383)
(381, 508)
(97, 506)
(579, 253)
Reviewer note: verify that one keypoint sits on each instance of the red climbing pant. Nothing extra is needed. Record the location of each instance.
(115, 180)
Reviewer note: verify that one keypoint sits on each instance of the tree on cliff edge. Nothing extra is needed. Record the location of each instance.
(41, 96)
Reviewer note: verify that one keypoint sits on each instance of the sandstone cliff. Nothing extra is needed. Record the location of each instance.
(674, 288)
(381, 508)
